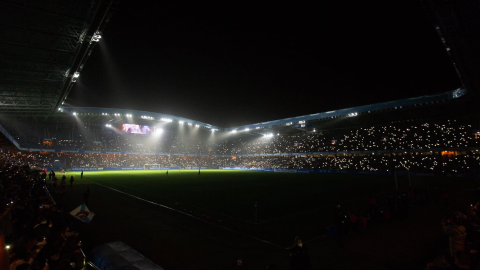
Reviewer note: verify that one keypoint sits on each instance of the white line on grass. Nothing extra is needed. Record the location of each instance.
(187, 214)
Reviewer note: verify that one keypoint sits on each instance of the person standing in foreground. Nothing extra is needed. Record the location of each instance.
(71, 181)
(299, 259)
(81, 175)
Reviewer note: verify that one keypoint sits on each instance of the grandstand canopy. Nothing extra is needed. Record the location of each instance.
(43, 48)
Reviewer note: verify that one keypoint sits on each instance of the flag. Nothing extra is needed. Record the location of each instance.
(82, 213)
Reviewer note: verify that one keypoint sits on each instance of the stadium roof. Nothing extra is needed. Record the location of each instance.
(109, 115)
(43, 48)
(458, 25)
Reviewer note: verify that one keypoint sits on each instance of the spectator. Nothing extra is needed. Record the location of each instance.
(456, 233)
(299, 259)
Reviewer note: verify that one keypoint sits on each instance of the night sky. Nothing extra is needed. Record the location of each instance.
(234, 65)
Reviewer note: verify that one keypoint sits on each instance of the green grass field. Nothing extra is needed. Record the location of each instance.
(234, 193)
(176, 215)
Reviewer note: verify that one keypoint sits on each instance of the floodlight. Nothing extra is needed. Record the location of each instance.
(196, 125)
(96, 37)
(189, 124)
(213, 130)
(75, 76)
(180, 122)
(247, 129)
(289, 123)
(268, 135)
(166, 119)
(128, 115)
(234, 131)
(59, 109)
(74, 113)
(257, 128)
(301, 122)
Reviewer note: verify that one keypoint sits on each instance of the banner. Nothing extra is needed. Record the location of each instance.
(82, 213)
(77, 169)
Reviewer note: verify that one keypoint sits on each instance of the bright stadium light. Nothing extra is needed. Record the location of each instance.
(128, 115)
(257, 128)
(189, 124)
(289, 123)
(234, 131)
(74, 113)
(213, 130)
(180, 122)
(108, 125)
(247, 129)
(75, 76)
(301, 122)
(197, 125)
(96, 37)
(268, 135)
(166, 119)
(353, 114)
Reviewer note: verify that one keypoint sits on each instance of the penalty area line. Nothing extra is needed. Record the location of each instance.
(190, 215)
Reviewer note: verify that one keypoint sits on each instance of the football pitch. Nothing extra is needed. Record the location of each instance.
(142, 208)
(235, 193)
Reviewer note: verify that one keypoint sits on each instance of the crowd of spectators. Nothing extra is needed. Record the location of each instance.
(38, 235)
(463, 232)
(411, 136)
(439, 147)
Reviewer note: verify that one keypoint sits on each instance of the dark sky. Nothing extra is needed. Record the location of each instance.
(233, 65)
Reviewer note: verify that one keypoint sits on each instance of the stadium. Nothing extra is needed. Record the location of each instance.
(169, 192)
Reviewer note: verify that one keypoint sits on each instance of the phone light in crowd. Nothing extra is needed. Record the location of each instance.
(108, 125)
(180, 122)
(166, 119)
(353, 114)
(7, 247)
(278, 134)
